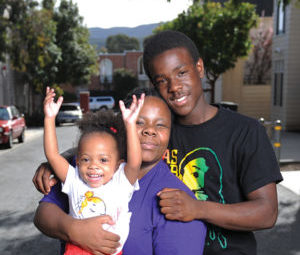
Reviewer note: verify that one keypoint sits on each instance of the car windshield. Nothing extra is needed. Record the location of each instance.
(69, 108)
(4, 114)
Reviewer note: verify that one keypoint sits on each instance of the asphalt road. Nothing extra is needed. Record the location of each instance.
(18, 199)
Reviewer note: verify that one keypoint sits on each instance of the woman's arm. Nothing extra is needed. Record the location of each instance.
(87, 233)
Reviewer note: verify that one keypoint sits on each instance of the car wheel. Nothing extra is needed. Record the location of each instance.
(103, 108)
(9, 144)
(21, 138)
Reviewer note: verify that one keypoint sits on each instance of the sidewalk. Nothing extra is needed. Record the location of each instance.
(290, 154)
(32, 132)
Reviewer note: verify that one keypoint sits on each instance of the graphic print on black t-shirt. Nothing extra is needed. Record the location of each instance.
(194, 171)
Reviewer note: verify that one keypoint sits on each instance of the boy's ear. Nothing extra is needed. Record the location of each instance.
(200, 67)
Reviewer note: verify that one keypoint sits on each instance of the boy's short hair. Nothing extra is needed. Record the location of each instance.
(164, 41)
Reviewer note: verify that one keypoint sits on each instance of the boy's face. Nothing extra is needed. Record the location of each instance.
(153, 126)
(97, 159)
(178, 80)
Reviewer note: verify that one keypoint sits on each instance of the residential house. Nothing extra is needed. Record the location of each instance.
(109, 62)
(236, 85)
(286, 65)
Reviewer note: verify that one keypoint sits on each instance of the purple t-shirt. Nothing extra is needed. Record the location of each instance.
(150, 232)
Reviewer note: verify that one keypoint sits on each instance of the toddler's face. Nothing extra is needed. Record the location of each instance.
(97, 159)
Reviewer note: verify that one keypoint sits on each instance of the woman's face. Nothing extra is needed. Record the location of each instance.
(154, 125)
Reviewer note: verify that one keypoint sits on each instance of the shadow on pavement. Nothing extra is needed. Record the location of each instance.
(37, 245)
(19, 236)
(11, 219)
(284, 237)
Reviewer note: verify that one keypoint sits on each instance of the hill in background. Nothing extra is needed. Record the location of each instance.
(98, 35)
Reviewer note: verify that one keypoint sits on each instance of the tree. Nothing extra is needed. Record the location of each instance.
(79, 58)
(124, 81)
(120, 42)
(221, 33)
(32, 48)
(3, 29)
(48, 46)
(258, 66)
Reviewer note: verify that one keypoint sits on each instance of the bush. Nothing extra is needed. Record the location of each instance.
(35, 120)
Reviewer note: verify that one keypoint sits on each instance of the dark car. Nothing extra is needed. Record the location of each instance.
(12, 125)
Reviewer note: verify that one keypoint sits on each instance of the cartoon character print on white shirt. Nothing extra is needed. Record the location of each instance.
(91, 206)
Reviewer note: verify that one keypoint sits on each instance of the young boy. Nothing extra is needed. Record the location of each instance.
(224, 157)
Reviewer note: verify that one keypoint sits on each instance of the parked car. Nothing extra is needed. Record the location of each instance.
(69, 113)
(101, 103)
(12, 125)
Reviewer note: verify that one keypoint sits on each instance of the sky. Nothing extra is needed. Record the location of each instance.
(128, 13)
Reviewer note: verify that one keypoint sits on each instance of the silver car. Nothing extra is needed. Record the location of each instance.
(101, 103)
(69, 113)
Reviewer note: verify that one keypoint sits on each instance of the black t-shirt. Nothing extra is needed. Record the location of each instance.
(223, 160)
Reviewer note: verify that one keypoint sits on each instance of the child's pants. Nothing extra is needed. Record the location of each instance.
(72, 249)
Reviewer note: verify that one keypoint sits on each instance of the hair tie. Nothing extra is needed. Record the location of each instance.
(113, 130)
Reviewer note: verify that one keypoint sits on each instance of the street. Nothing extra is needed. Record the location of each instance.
(19, 199)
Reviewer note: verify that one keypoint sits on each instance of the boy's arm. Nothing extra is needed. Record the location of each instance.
(134, 152)
(44, 177)
(259, 212)
(59, 164)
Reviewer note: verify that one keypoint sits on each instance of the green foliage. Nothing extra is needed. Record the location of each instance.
(3, 30)
(124, 81)
(221, 33)
(120, 42)
(49, 46)
(79, 58)
(32, 48)
(48, 4)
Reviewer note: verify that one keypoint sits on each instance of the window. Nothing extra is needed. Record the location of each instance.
(278, 82)
(69, 108)
(15, 112)
(4, 114)
(280, 22)
(103, 99)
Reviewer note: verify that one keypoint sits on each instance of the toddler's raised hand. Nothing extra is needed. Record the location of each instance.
(50, 107)
(131, 114)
